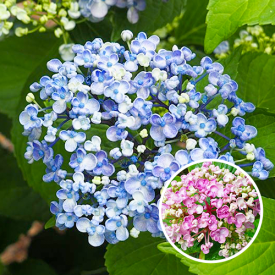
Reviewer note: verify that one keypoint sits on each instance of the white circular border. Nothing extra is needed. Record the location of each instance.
(181, 251)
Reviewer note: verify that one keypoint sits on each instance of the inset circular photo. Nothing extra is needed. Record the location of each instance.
(211, 211)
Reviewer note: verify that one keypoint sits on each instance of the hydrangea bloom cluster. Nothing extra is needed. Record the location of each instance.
(211, 205)
(253, 39)
(33, 16)
(96, 10)
(110, 122)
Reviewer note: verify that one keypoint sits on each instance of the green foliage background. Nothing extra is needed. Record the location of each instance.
(24, 197)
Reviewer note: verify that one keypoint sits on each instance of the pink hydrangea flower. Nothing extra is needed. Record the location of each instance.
(220, 235)
(239, 219)
(202, 205)
(223, 212)
(241, 203)
(205, 247)
(212, 223)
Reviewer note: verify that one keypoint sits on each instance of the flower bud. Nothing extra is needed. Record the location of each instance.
(234, 111)
(183, 98)
(159, 75)
(43, 19)
(250, 156)
(134, 232)
(121, 175)
(133, 171)
(58, 32)
(200, 237)
(141, 148)
(21, 31)
(42, 29)
(143, 59)
(96, 180)
(249, 148)
(143, 133)
(189, 86)
(190, 143)
(62, 13)
(30, 97)
(38, 8)
(210, 90)
(96, 119)
(105, 180)
(126, 35)
(115, 153)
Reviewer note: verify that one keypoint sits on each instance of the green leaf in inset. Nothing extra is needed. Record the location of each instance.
(141, 256)
(156, 15)
(191, 27)
(256, 81)
(20, 57)
(256, 260)
(226, 16)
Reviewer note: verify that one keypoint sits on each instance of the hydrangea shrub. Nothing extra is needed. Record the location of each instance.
(156, 116)
(211, 208)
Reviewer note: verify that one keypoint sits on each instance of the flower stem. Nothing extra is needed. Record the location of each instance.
(222, 135)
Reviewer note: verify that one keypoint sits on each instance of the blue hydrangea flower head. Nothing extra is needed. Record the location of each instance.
(117, 123)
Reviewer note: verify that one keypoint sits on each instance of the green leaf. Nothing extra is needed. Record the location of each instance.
(256, 260)
(141, 256)
(20, 57)
(16, 197)
(225, 17)
(10, 230)
(69, 253)
(87, 31)
(177, 178)
(191, 27)
(36, 69)
(156, 15)
(31, 267)
(50, 223)
(24, 63)
(231, 62)
(214, 252)
(194, 166)
(267, 187)
(255, 80)
(193, 249)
